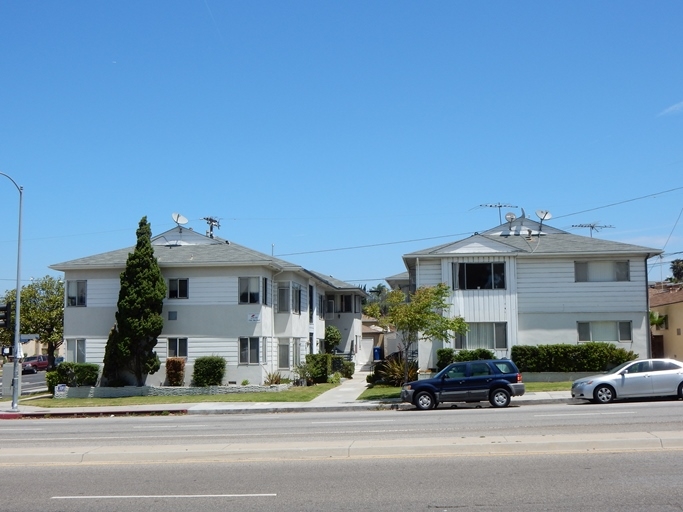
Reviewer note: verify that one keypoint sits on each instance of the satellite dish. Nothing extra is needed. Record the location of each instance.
(509, 216)
(544, 214)
(179, 219)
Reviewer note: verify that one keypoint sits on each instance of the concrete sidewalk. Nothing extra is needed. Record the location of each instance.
(340, 398)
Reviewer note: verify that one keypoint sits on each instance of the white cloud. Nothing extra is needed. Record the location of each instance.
(673, 109)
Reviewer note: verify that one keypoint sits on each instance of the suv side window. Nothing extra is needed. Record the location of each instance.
(457, 371)
(479, 369)
(505, 367)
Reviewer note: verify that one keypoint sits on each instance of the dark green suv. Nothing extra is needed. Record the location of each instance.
(495, 380)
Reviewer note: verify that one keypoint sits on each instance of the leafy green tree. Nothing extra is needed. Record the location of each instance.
(677, 270)
(418, 316)
(333, 337)
(42, 313)
(138, 318)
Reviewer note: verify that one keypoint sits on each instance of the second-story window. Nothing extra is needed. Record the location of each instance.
(283, 297)
(76, 293)
(347, 304)
(178, 288)
(601, 271)
(296, 298)
(249, 290)
(479, 276)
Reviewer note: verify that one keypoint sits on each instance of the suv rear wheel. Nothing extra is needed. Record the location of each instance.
(424, 401)
(499, 397)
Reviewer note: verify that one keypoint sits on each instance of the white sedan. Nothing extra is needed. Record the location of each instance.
(634, 379)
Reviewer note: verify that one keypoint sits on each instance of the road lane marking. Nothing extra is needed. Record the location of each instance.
(350, 421)
(154, 427)
(582, 414)
(157, 496)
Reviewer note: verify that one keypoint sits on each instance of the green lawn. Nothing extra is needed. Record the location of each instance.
(382, 392)
(294, 394)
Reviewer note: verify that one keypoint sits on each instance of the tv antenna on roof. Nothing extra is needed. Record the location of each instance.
(212, 222)
(594, 226)
(499, 206)
(179, 219)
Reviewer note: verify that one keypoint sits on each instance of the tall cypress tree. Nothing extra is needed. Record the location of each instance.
(138, 319)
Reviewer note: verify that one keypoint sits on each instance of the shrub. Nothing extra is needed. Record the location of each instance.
(348, 369)
(335, 378)
(303, 371)
(319, 366)
(446, 356)
(208, 371)
(52, 379)
(273, 379)
(175, 371)
(245, 382)
(586, 357)
(393, 371)
(77, 374)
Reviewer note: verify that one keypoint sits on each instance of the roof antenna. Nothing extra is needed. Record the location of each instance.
(212, 222)
(594, 226)
(180, 220)
(499, 206)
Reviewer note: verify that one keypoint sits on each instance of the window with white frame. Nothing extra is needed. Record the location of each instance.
(283, 297)
(249, 290)
(488, 335)
(178, 288)
(478, 276)
(177, 347)
(601, 271)
(76, 293)
(605, 331)
(75, 351)
(296, 352)
(296, 298)
(283, 354)
(310, 308)
(321, 306)
(249, 350)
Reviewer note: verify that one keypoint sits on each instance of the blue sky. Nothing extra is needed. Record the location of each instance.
(336, 135)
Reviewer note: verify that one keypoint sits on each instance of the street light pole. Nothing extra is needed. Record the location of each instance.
(17, 318)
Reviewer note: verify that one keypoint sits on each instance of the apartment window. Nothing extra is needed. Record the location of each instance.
(296, 353)
(330, 308)
(283, 297)
(357, 304)
(76, 293)
(249, 350)
(601, 271)
(178, 288)
(173, 315)
(75, 351)
(479, 276)
(321, 306)
(310, 300)
(605, 331)
(347, 304)
(283, 354)
(249, 290)
(488, 335)
(265, 291)
(177, 347)
(296, 298)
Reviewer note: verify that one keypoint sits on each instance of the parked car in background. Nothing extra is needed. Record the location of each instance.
(27, 367)
(495, 380)
(58, 360)
(633, 379)
(38, 362)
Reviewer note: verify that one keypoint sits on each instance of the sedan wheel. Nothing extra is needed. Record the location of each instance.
(603, 394)
(424, 401)
(500, 398)
(680, 390)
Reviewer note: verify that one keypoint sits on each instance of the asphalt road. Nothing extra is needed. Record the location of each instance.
(608, 482)
(548, 420)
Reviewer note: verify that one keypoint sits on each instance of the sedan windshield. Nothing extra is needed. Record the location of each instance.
(617, 369)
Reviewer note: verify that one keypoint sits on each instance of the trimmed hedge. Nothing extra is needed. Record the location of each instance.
(446, 356)
(319, 366)
(208, 371)
(73, 374)
(584, 357)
